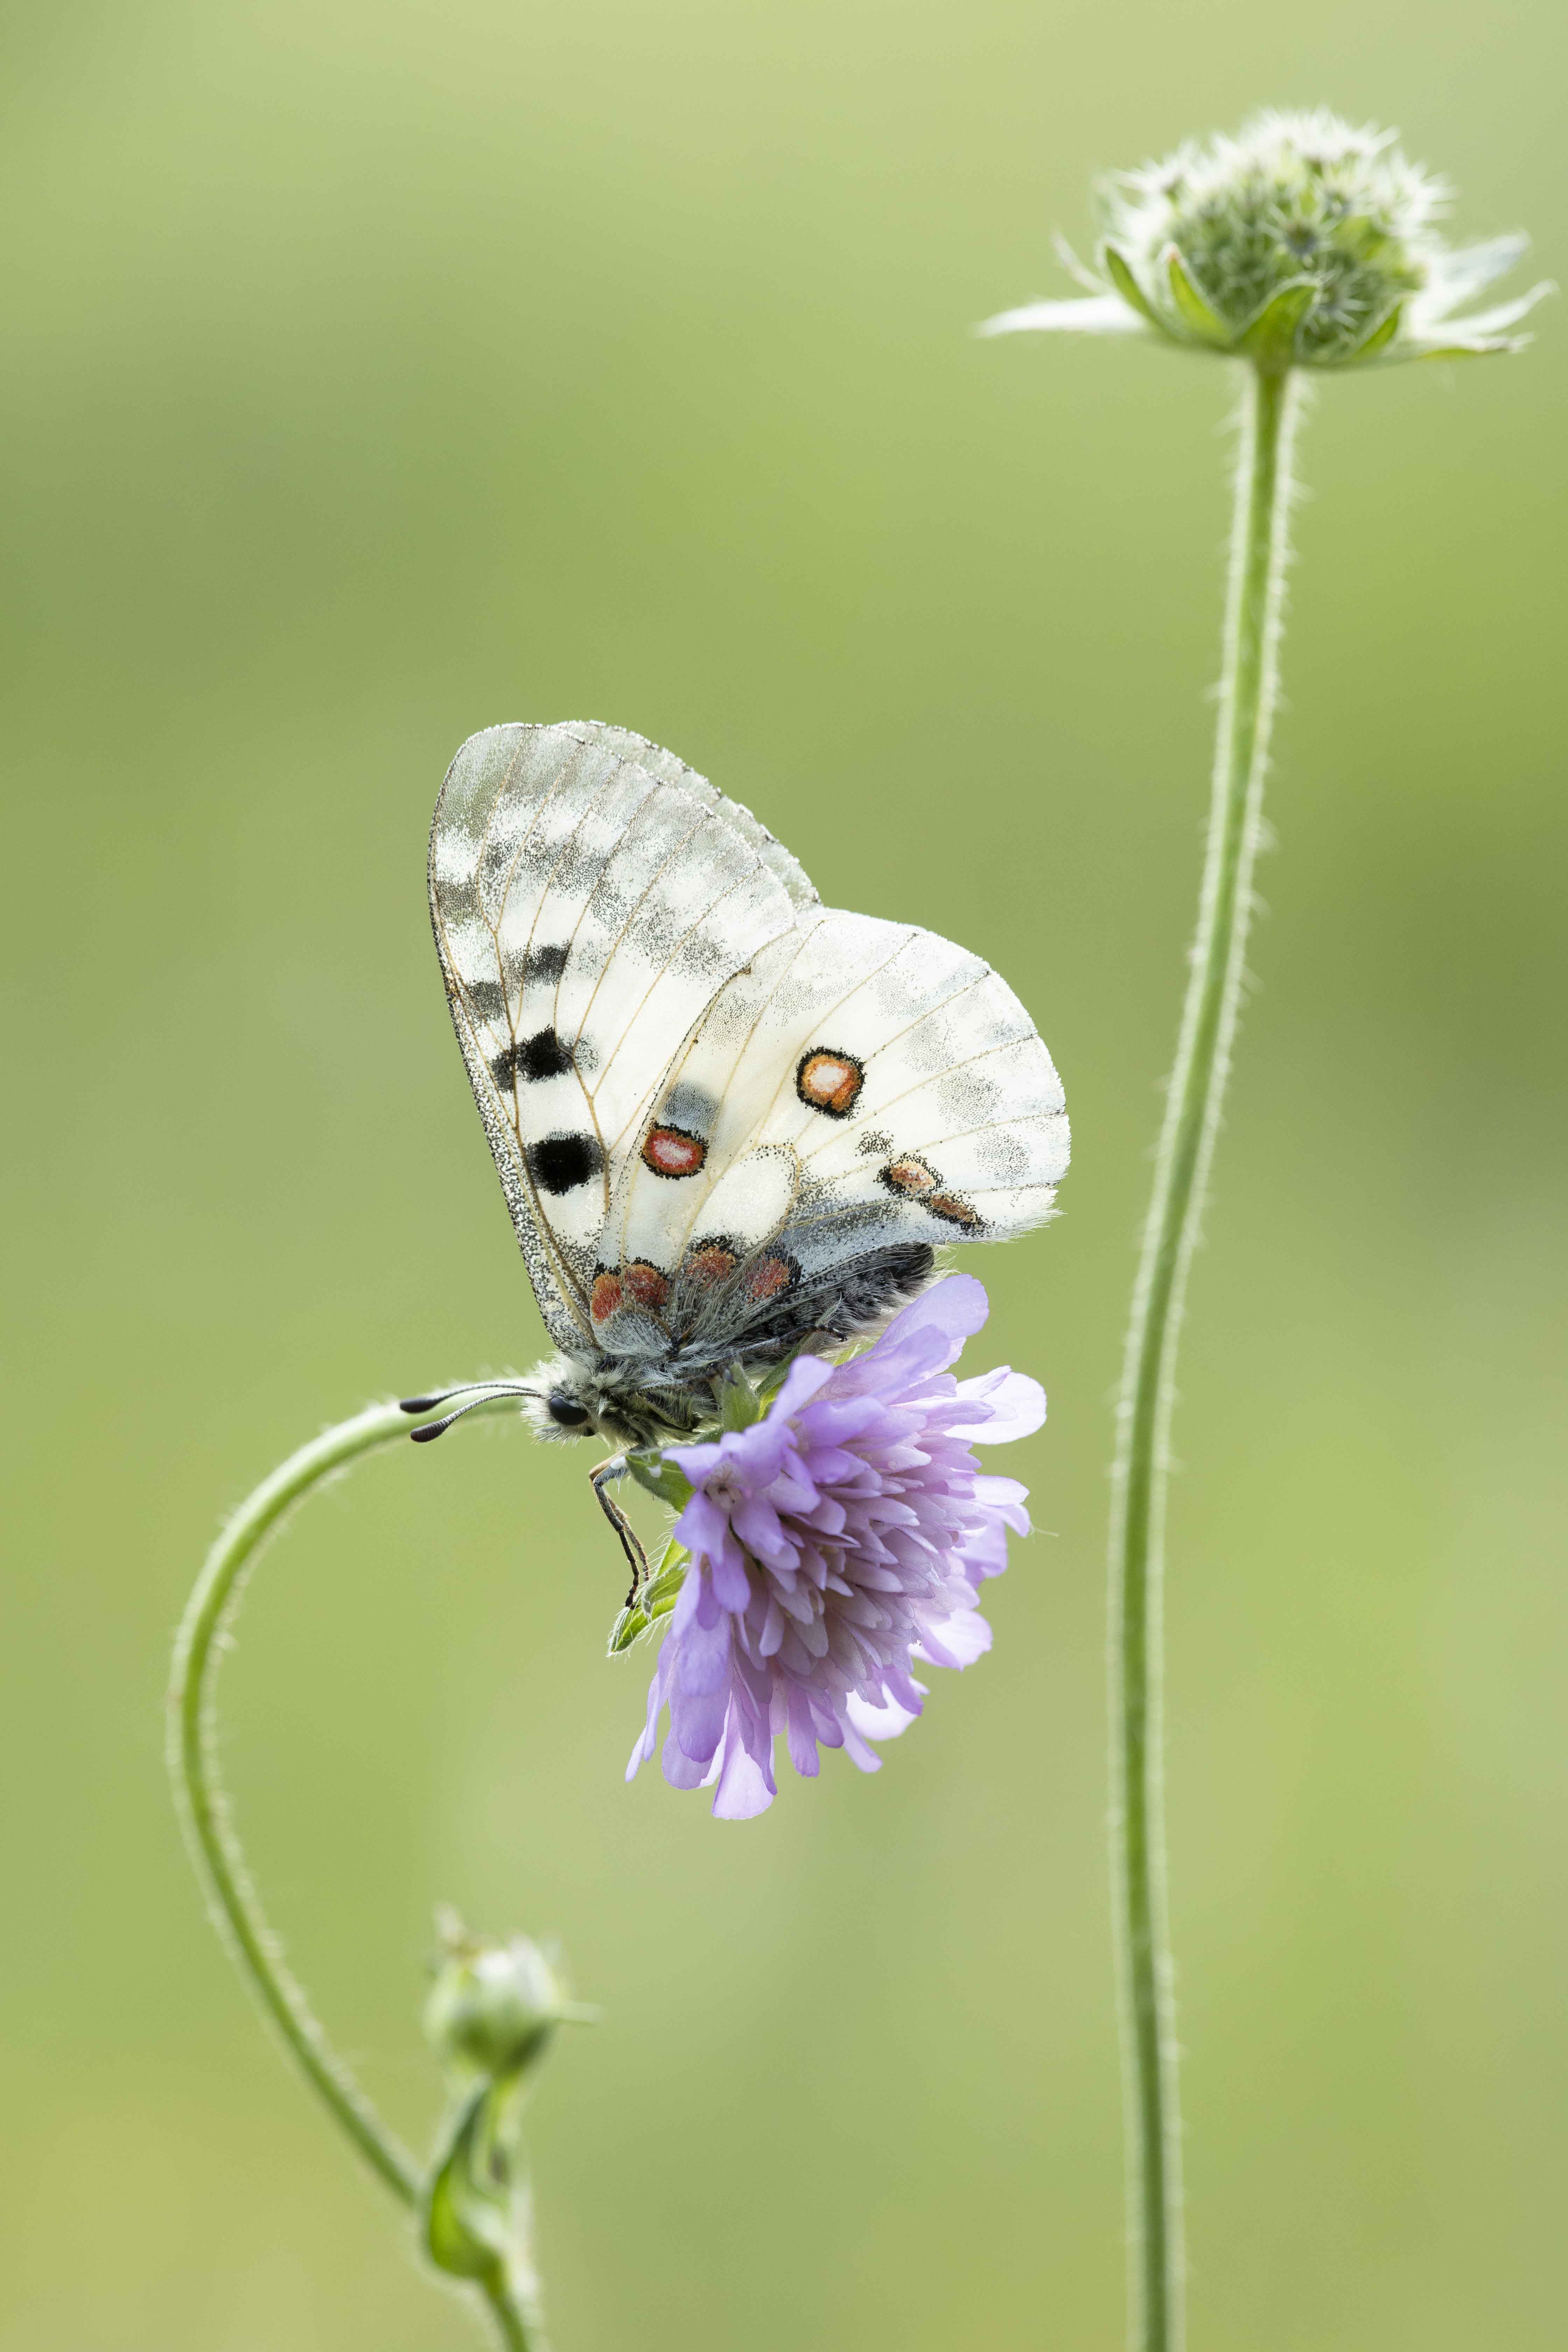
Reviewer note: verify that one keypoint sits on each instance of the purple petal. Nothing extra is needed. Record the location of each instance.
(1015, 1406)
(1006, 1498)
(695, 1461)
(802, 1752)
(745, 1787)
(682, 1771)
(923, 1338)
(883, 1722)
(697, 1721)
(801, 1382)
(858, 1752)
(757, 1525)
(731, 1585)
(702, 1527)
(702, 1656)
(958, 1641)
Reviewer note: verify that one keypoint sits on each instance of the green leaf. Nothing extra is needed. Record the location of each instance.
(627, 1632)
(1269, 336)
(738, 1404)
(1191, 308)
(655, 1601)
(1119, 270)
(664, 1585)
(649, 1467)
(473, 2206)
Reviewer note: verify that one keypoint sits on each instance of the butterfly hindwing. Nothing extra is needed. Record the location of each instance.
(862, 1093)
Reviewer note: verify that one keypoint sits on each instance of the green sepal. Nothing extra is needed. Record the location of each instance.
(1269, 335)
(738, 1404)
(1191, 308)
(659, 1476)
(1477, 351)
(474, 2207)
(1119, 270)
(1377, 338)
(657, 1598)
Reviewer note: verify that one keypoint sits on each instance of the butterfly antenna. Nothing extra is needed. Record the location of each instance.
(488, 1390)
(464, 1388)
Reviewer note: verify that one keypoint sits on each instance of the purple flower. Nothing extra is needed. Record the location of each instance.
(834, 1544)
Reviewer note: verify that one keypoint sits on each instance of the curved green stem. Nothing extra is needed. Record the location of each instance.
(215, 1848)
(512, 2325)
(1209, 1016)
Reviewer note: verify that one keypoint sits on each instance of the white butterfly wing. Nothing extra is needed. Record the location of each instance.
(590, 895)
(865, 1091)
(723, 1115)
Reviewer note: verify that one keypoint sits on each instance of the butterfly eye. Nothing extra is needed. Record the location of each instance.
(564, 1408)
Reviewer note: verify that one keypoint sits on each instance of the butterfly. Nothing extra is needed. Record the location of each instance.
(731, 1123)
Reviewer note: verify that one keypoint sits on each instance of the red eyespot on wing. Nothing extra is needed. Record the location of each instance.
(645, 1282)
(713, 1262)
(770, 1276)
(953, 1212)
(673, 1152)
(911, 1177)
(829, 1082)
(604, 1296)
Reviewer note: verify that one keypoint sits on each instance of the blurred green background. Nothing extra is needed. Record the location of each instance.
(379, 373)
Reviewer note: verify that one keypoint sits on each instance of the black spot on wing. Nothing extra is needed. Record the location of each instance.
(559, 1163)
(486, 999)
(543, 1056)
(690, 1107)
(542, 967)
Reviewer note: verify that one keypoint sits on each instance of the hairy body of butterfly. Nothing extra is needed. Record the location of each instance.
(730, 1123)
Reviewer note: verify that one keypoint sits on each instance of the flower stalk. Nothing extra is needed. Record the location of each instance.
(1258, 548)
(1299, 243)
(214, 1844)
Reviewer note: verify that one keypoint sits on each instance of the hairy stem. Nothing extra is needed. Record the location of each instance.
(513, 2325)
(1209, 1016)
(214, 1845)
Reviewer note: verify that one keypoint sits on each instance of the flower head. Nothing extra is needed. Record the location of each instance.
(837, 1543)
(493, 2006)
(1300, 243)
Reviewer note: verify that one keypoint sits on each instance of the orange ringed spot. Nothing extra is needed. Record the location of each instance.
(645, 1282)
(954, 1212)
(909, 1176)
(711, 1265)
(672, 1151)
(829, 1082)
(604, 1296)
(769, 1277)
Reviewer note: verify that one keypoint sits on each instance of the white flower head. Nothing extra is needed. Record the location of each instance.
(1299, 243)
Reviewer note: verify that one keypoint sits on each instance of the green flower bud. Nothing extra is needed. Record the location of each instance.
(1300, 243)
(493, 2007)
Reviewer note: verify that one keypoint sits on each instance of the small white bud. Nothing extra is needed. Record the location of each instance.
(493, 2007)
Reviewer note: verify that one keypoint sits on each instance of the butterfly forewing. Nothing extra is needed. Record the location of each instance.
(586, 910)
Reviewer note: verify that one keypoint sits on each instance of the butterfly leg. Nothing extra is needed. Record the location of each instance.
(601, 1480)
